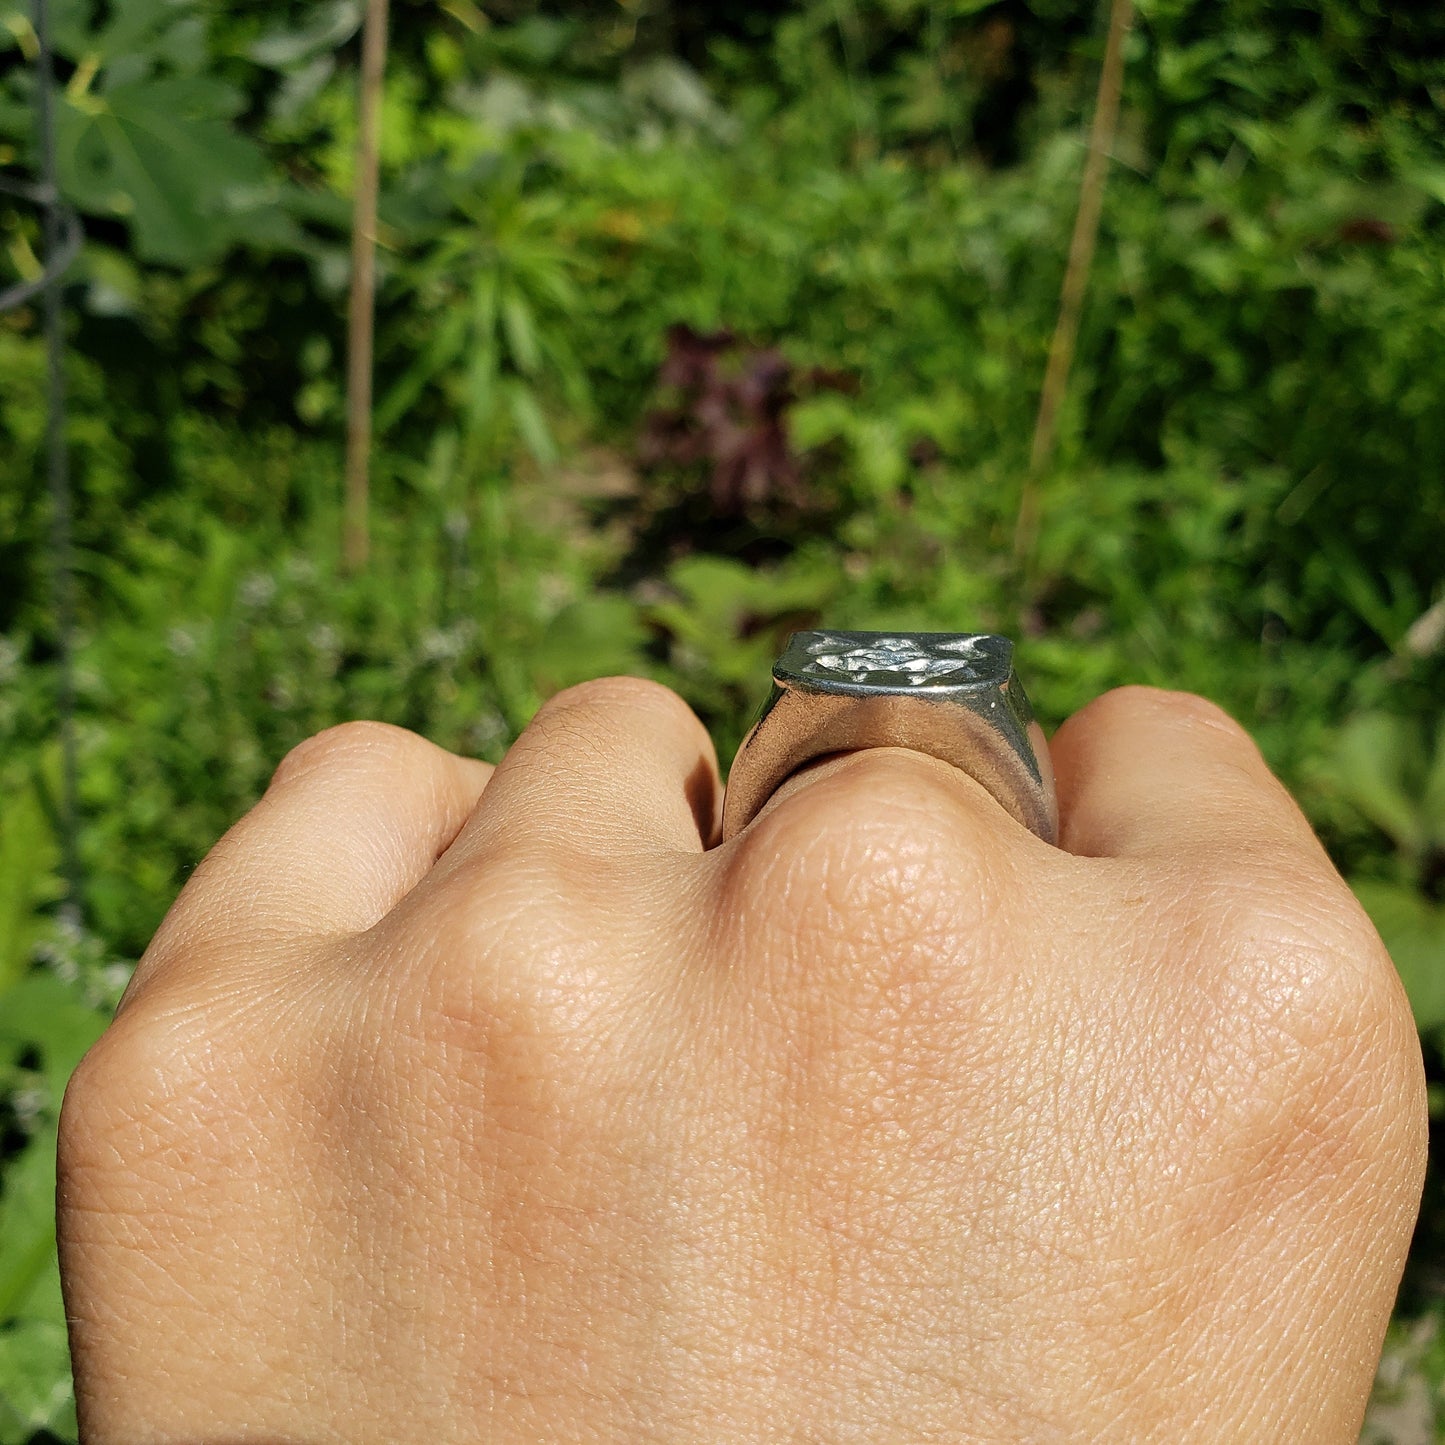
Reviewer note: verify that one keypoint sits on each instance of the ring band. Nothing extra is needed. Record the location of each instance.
(952, 695)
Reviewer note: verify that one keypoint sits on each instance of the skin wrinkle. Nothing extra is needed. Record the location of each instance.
(842, 1129)
(596, 1041)
(838, 926)
(352, 752)
(1238, 1228)
(568, 725)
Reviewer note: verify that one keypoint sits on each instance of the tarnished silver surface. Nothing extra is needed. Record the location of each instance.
(952, 695)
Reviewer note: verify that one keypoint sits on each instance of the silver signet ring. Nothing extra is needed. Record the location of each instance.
(952, 695)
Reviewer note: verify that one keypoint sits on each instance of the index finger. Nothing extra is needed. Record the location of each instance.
(353, 819)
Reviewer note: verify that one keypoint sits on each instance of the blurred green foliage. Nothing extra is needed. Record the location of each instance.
(1248, 500)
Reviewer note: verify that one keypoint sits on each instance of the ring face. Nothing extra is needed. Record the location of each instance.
(892, 662)
(952, 695)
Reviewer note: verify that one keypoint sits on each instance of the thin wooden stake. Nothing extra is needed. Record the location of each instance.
(357, 541)
(1076, 273)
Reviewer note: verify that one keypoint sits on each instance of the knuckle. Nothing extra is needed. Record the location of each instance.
(1186, 709)
(1314, 1005)
(1355, 1097)
(92, 1085)
(1298, 942)
(123, 1100)
(604, 694)
(603, 719)
(520, 948)
(1297, 1065)
(884, 871)
(1356, 1004)
(889, 805)
(181, 1078)
(350, 745)
(606, 724)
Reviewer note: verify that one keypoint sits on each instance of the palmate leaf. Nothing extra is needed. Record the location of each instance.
(447, 343)
(161, 153)
(520, 329)
(138, 30)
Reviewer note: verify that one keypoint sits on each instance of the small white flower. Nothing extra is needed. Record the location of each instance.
(182, 641)
(324, 638)
(554, 592)
(442, 644)
(256, 589)
(488, 728)
(29, 1104)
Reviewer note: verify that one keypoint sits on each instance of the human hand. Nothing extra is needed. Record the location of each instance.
(453, 1106)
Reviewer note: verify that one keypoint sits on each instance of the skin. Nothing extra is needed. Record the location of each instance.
(452, 1105)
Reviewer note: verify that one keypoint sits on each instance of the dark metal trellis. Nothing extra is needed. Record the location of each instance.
(62, 240)
(55, 267)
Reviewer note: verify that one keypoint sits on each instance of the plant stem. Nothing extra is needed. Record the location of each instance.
(357, 541)
(1076, 272)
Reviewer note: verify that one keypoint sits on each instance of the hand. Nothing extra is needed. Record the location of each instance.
(458, 1106)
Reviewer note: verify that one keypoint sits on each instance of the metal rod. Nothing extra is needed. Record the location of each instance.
(55, 265)
(58, 462)
(357, 529)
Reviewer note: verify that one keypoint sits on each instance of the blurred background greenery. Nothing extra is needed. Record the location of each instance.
(697, 325)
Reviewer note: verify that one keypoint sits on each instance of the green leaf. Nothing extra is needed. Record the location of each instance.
(43, 1012)
(521, 333)
(16, 28)
(484, 304)
(1432, 801)
(329, 27)
(71, 24)
(1376, 758)
(134, 28)
(723, 601)
(29, 858)
(35, 1387)
(27, 1221)
(598, 637)
(527, 413)
(820, 419)
(1429, 179)
(161, 153)
(1414, 931)
(446, 345)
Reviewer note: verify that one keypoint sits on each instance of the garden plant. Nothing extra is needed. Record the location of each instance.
(696, 325)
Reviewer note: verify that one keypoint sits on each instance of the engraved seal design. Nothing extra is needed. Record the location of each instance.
(891, 659)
